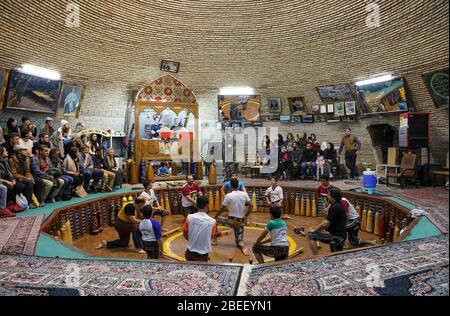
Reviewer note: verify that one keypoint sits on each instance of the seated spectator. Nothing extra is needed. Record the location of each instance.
(290, 141)
(20, 165)
(309, 161)
(13, 141)
(296, 159)
(2, 138)
(56, 142)
(163, 170)
(151, 234)
(27, 124)
(108, 179)
(57, 164)
(330, 156)
(47, 186)
(7, 178)
(199, 229)
(89, 172)
(66, 132)
(48, 127)
(303, 141)
(277, 228)
(26, 141)
(283, 163)
(44, 140)
(314, 142)
(12, 128)
(72, 167)
(111, 165)
(93, 144)
(333, 229)
(3, 196)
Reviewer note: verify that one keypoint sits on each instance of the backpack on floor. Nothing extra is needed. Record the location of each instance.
(22, 202)
(66, 196)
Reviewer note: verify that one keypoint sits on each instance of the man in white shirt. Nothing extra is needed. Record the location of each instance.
(236, 202)
(150, 198)
(274, 196)
(27, 142)
(354, 225)
(199, 229)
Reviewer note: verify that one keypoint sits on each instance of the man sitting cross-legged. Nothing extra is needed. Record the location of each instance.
(199, 229)
(332, 230)
(277, 229)
(236, 203)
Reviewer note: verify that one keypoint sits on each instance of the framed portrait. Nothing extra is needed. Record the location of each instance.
(69, 104)
(275, 105)
(323, 109)
(308, 119)
(315, 109)
(296, 119)
(3, 84)
(170, 66)
(330, 108)
(297, 106)
(350, 108)
(437, 86)
(30, 93)
(339, 109)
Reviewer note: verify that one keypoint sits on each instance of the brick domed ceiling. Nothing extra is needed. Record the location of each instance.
(260, 43)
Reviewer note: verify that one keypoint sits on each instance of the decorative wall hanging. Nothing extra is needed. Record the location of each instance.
(3, 84)
(170, 66)
(336, 92)
(437, 85)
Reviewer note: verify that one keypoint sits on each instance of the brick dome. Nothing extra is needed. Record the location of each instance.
(265, 43)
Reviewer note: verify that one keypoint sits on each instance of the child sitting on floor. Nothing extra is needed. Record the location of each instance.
(151, 234)
(277, 228)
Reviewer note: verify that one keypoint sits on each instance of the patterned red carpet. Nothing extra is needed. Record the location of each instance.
(19, 235)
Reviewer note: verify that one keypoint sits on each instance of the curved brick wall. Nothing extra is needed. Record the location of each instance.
(281, 48)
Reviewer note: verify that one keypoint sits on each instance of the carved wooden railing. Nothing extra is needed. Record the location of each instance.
(379, 216)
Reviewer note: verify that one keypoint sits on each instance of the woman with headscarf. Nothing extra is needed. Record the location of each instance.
(93, 144)
(56, 142)
(11, 128)
(330, 156)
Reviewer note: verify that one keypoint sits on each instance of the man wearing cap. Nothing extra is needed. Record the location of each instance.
(66, 132)
(48, 127)
(21, 169)
(26, 124)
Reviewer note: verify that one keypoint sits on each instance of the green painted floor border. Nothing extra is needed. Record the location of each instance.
(423, 229)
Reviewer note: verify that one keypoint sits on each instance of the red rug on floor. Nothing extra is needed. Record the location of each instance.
(19, 235)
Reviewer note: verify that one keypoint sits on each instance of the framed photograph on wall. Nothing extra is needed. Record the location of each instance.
(330, 108)
(297, 106)
(308, 119)
(3, 84)
(315, 109)
(275, 105)
(323, 109)
(350, 108)
(437, 86)
(69, 104)
(339, 109)
(170, 66)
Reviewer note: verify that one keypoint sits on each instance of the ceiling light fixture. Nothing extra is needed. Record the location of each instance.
(40, 72)
(237, 91)
(374, 80)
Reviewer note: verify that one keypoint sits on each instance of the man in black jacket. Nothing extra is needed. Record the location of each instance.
(296, 156)
(309, 160)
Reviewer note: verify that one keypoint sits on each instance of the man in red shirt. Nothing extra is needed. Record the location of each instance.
(190, 192)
